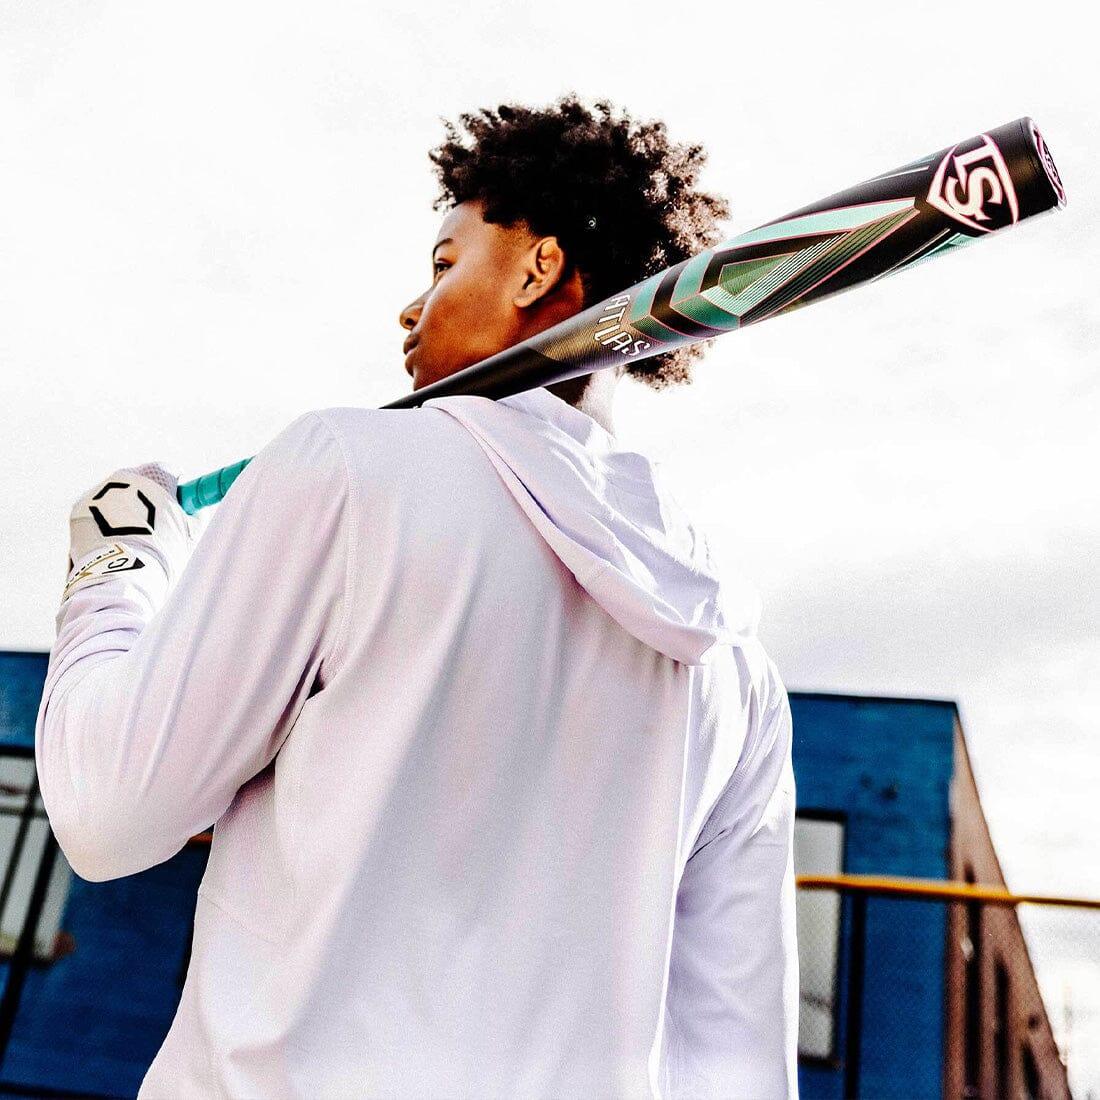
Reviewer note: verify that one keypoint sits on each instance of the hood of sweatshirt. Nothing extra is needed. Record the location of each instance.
(607, 514)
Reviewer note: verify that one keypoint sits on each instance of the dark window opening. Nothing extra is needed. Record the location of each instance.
(972, 992)
(1031, 1073)
(1000, 1026)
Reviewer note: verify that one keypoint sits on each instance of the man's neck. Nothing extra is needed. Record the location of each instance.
(591, 394)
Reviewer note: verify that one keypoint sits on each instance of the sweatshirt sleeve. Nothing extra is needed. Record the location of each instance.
(152, 718)
(732, 1002)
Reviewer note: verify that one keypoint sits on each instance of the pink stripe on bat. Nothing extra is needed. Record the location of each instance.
(851, 259)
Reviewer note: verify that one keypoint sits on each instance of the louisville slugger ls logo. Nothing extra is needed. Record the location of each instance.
(974, 188)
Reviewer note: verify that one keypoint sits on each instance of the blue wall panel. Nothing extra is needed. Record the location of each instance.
(886, 764)
(21, 678)
(93, 1020)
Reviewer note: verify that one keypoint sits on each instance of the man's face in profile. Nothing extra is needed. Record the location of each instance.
(470, 311)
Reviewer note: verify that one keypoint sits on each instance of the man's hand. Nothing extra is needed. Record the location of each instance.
(125, 521)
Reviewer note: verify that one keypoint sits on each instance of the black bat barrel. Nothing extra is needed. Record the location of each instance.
(923, 209)
(949, 198)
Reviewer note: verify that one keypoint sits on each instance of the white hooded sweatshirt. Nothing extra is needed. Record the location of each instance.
(500, 773)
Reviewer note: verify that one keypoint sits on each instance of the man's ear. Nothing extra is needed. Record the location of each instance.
(543, 272)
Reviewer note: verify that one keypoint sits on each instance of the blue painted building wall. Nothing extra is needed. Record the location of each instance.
(94, 1019)
(886, 764)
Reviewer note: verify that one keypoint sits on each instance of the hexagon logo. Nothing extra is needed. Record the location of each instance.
(106, 528)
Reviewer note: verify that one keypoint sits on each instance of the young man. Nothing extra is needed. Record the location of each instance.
(500, 773)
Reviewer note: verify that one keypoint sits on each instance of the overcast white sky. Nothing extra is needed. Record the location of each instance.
(214, 213)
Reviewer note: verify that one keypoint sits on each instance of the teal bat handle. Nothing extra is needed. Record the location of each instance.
(208, 489)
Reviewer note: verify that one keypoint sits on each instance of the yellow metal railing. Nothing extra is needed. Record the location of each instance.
(935, 889)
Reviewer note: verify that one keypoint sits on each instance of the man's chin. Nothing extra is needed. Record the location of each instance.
(422, 377)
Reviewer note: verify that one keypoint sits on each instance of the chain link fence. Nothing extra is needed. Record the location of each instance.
(912, 988)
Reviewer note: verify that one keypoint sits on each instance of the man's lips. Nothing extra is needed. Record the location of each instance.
(409, 345)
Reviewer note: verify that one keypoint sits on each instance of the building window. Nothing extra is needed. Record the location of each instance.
(24, 834)
(1031, 1073)
(972, 991)
(818, 850)
(1000, 1026)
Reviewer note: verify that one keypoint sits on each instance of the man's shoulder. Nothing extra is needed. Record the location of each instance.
(376, 446)
(377, 427)
(342, 421)
(341, 428)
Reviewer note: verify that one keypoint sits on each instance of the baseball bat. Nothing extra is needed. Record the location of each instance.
(893, 221)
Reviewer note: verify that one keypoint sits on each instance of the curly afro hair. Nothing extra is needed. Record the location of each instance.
(619, 196)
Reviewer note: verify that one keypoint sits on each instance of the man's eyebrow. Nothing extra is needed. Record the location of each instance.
(446, 240)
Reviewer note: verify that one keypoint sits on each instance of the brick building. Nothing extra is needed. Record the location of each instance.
(949, 1002)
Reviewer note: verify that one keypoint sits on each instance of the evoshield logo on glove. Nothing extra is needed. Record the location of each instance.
(133, 510)
(102, 522)
(112, 559)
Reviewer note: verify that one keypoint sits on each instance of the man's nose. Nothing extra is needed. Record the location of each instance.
(411, 313)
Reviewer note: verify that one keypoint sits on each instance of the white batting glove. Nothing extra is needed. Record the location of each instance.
(126, 522)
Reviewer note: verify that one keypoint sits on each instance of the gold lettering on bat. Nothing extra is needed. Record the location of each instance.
(610, 332)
